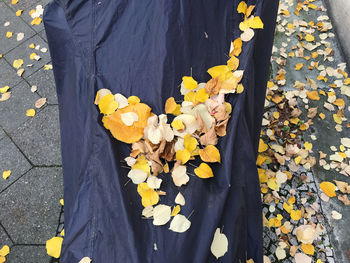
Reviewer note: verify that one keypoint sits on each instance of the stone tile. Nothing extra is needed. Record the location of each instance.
(11, 159)
(22, 5)
(39, 137)
(8, 74)
(45, 82)
(16, 26)
(28, 19)
(23, 51)
(30, 207)
(13, 110)
(28, 254)
(4, 238)
(42, 34)
(2, 133)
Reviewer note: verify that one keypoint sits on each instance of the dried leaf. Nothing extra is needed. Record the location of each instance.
(180, 224)
(219, 246)
(53, 247)
(210, 154)
(204, 171)
(161, 215)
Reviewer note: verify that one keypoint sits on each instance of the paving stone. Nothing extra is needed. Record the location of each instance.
(42, 34)
(2, 133)
(39, 137)
(11, 159)
(28, 254)
(4, 238)
(16, 26)
(13, 110)
(26, 17)
(23, 51)
(45, 82)
(22, 5)
(30, 207)
(8, 75)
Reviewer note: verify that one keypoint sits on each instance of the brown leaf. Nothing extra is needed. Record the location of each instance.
(312, 113)
(213, 86)
(221, 113)
(209, 137)
(39, 103)
(221, 128)
(344, 199)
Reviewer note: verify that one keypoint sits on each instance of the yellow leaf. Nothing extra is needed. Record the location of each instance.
(339, 102)
(309, 37)
(62, 202)
(210, 154)
(190, 143)
(4, 89)
(178, 125)
(133, 100)
(287, 207)
(142, 164)
(233, 63)
(17, 63)
(201, 95)
(239, 88)
(271, 183)
(124, 133)
(299, 66)
(249, 10)
(308, 249)
(337, 118)
(9, 34)
(170, 105)
(328, 188)
(204, 171)
(62, 233)
(4, 251)
(53, 247)
(190, 96)
(256, 23)
(19, 12)
(149, 195)
(295, 214)
(297, 159)
(218, 71)
(32, 56)
(6, 174)
(176, 210)
(237, 47)
(242, 7)
(183, 156)
(36, 21)
(263, 178)
(312, 6)
(313, 95)
(107, 104)
(189, 83)
(308, 146)
(14, 2)
(262, 146)
(30, 113)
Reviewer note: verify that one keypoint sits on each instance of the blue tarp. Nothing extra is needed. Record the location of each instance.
(143, 48)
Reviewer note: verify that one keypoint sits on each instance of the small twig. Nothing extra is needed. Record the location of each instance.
(190, 214)
(127, 182)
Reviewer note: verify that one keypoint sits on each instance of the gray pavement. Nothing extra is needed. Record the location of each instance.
(30, 212)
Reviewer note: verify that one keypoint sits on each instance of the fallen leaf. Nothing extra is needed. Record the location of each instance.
(53, 247)
(30, 112)
(6, 174)
(161, 215)
(210, 154)
(39, 103)
(204, 171)
(219, 246)
(328, 188)
(180, 224)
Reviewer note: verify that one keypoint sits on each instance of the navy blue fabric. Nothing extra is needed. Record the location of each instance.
(144, 48)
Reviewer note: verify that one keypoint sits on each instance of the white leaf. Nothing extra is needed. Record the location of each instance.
(20, 36)
(280, 253)
(122, 101)
(345, 142)
(336, 215)
(247, 35)
(180, 224)
(148, 211)
(180, 199)
(179, 175)
(161, 215)
(219, 245)
(154, 182)
(130, 161)
(137, 176)
(85, 260)
(302, 258)
(129, 118)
